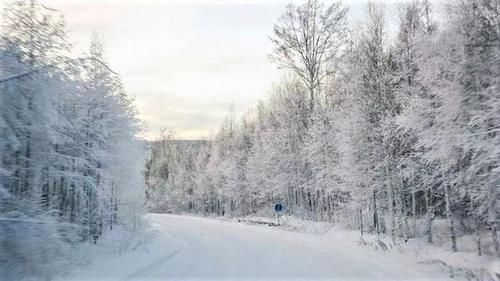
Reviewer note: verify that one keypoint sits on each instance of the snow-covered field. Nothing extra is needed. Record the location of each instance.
(193, 248)
(464, 264)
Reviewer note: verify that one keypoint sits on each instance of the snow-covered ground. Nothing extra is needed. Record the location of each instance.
(193, 248)
(464, 264)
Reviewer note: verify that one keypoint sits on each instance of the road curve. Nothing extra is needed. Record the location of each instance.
(208, 249)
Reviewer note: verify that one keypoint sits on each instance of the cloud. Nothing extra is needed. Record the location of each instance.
(185, 61)
(167, 2)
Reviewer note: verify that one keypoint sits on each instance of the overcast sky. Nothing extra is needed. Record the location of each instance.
(185, 61)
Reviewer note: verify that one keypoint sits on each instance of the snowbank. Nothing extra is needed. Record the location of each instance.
(464, 264)
(105, 259)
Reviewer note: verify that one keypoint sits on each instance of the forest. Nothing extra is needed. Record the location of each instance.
(385, 124)
(388, 124)
(70, 156)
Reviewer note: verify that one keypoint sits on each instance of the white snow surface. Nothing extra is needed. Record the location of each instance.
(464, 264)
(194, 248)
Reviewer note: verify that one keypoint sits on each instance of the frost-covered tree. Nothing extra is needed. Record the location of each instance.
(68, 140)
(404, 131)
(307, 39)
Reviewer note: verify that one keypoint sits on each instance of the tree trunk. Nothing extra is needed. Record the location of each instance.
(406, 228)
(414, 213)
(311, 101)
(375, 214)
(390, 194)
(494, 233)
(478, 238)
(361, 221)
(403, 219)
(429, 214)
(492, 216)
(453, 236)
(392, 214)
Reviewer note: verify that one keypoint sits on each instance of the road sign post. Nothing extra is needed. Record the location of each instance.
(278, 209)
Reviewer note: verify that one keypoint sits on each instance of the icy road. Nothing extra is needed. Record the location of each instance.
(191, 248)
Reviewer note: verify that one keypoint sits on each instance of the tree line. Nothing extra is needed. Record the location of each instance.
(69, 151)
(383, 128)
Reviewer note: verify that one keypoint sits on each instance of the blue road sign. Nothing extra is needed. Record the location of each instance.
(278, 207)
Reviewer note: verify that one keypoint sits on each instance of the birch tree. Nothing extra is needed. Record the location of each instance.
(307, 39)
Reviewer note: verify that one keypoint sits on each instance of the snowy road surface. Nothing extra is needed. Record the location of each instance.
(191, 248)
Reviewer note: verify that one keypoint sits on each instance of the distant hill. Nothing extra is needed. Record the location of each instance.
(193, 146)
(183, 142)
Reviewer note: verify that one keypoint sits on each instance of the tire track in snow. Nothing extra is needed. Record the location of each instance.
(144, 272)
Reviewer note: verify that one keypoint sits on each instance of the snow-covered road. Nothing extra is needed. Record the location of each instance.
(189, 248)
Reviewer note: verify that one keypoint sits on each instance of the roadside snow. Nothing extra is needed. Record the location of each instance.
(116, 254)
(462, 264)
(193, 248)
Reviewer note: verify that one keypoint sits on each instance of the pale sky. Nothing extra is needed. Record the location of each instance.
(184, 61)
